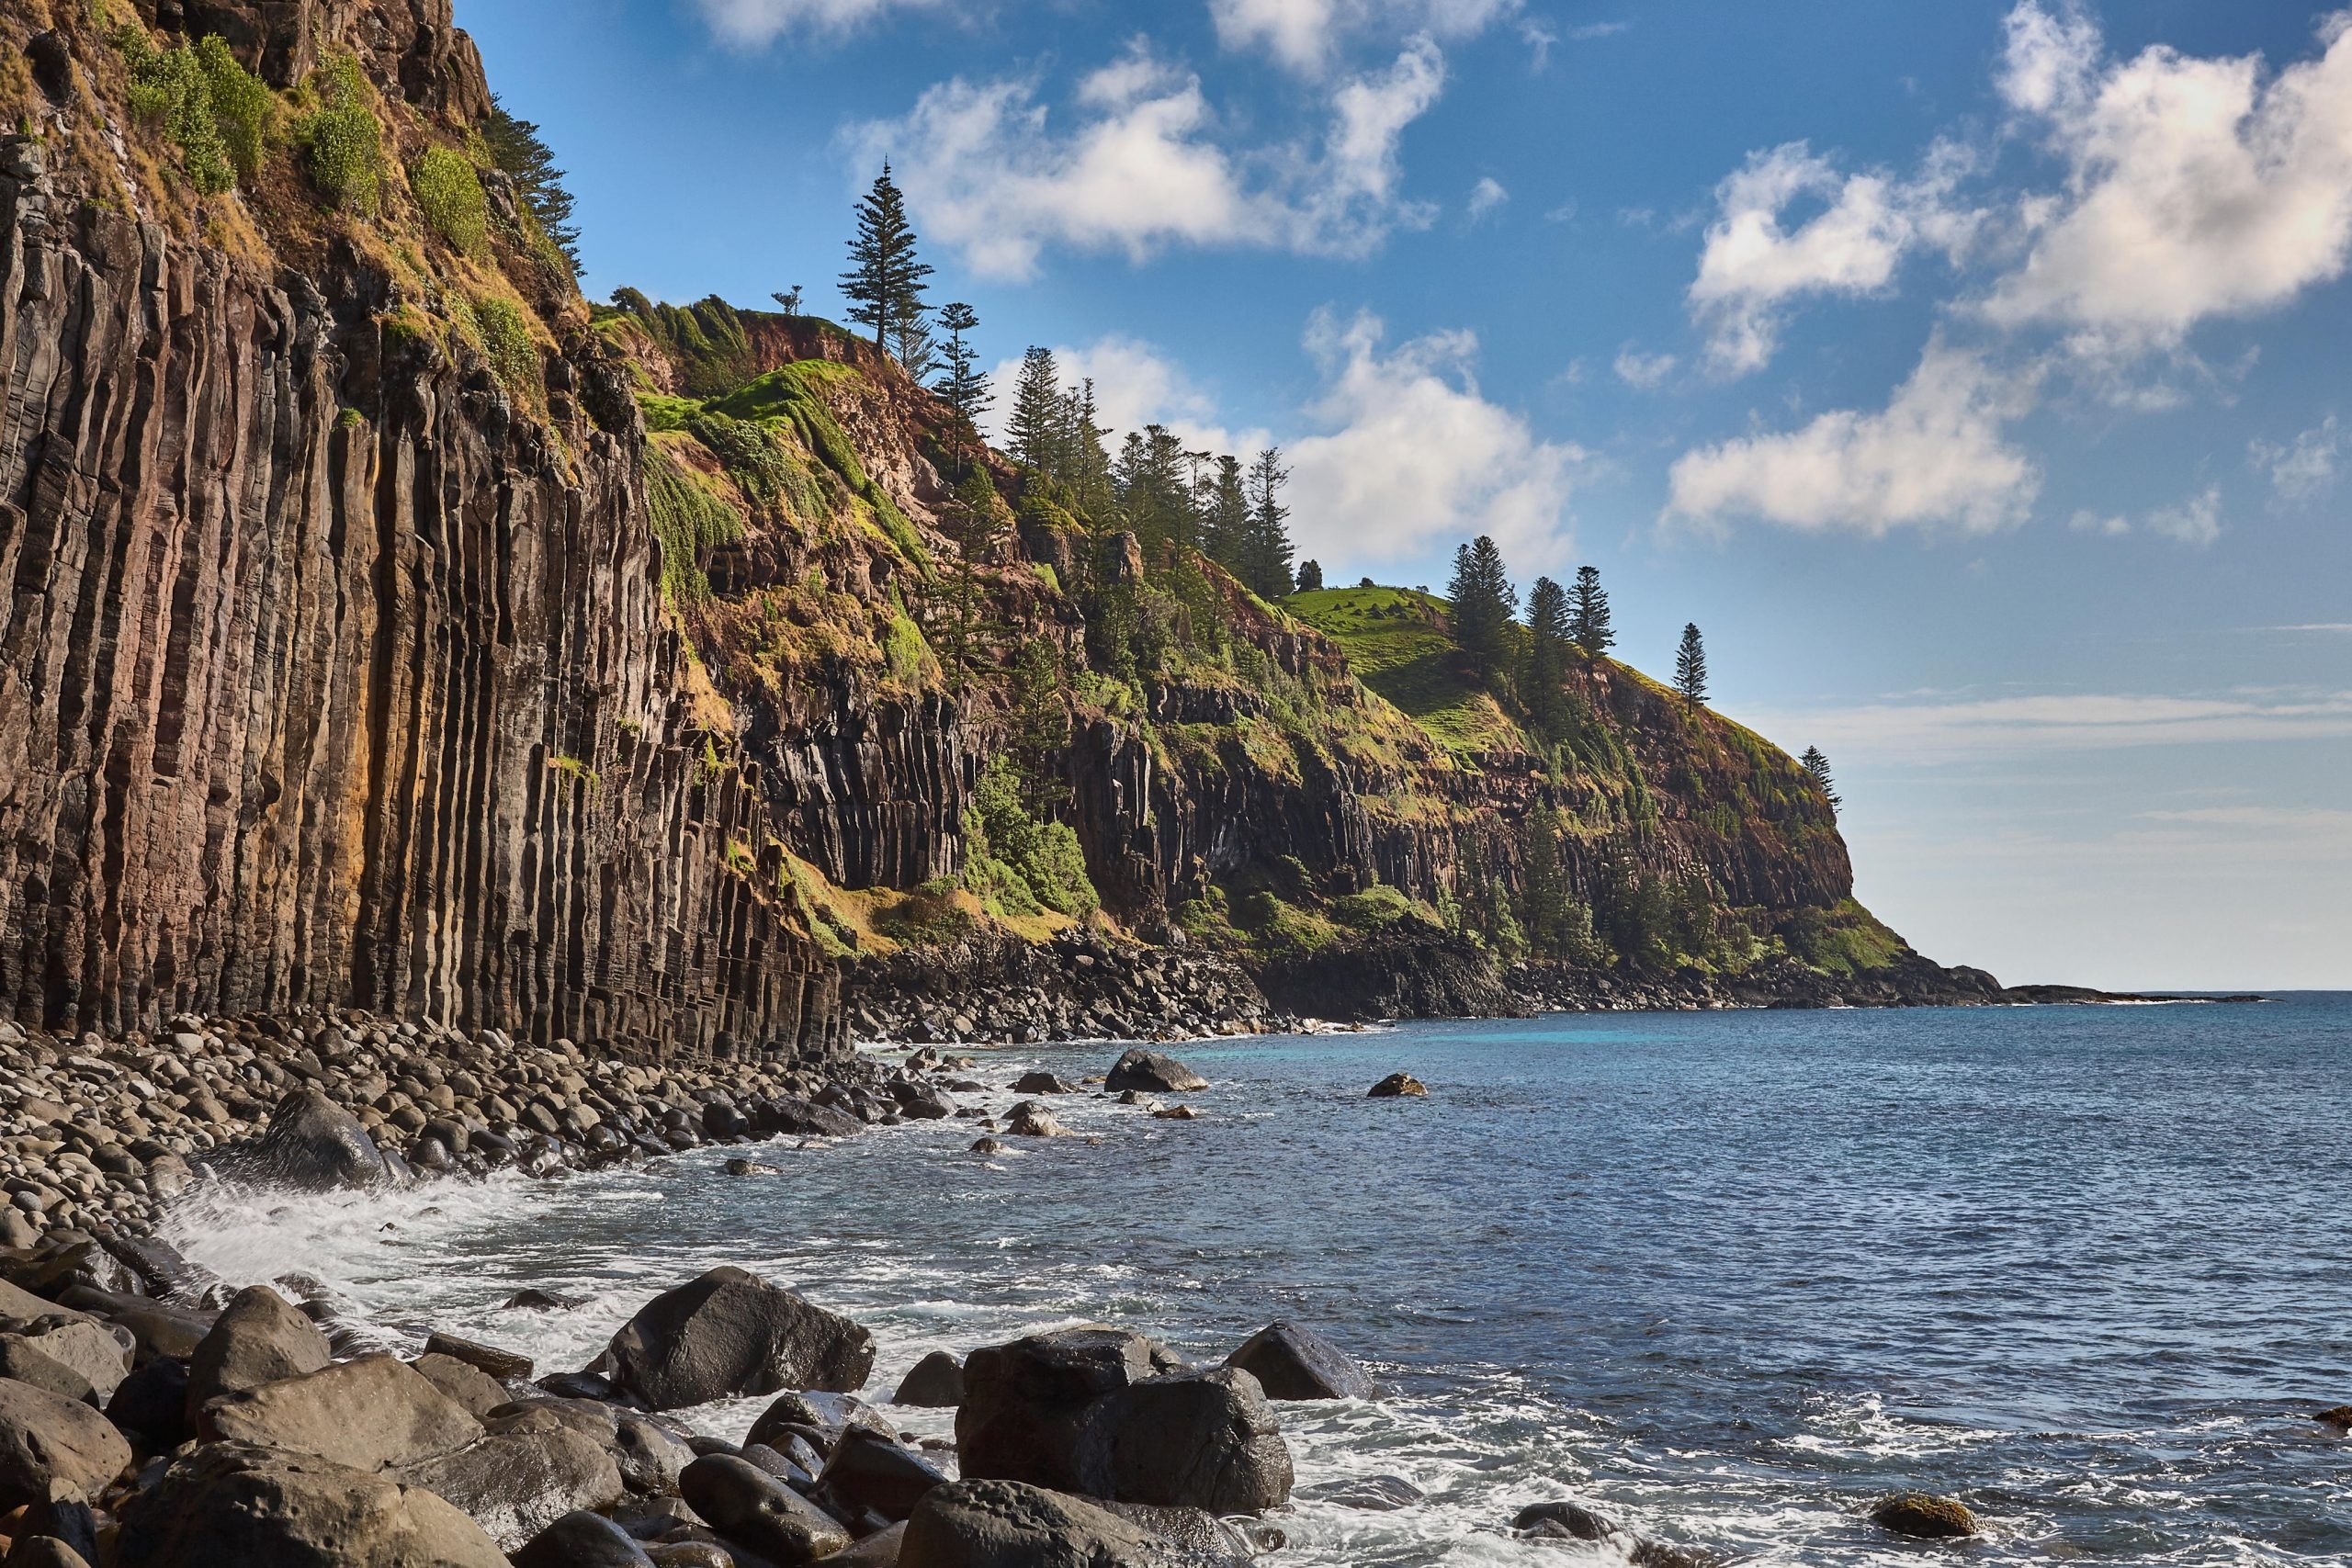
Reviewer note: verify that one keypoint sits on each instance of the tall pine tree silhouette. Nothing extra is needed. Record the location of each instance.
(1690, 666)
(963, 384)
(1818, 766)
(883, 284)
(1483, 601)
(1588, 614)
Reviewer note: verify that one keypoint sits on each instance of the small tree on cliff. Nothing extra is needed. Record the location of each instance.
(1266, 547)
(1483, 602)
(1310, 577)
(515, 147)
(1818, 766)
(1588, 614)
(883, 284)
(1690, 666)
(964, 385)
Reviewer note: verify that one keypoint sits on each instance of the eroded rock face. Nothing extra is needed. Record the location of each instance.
(330, 677)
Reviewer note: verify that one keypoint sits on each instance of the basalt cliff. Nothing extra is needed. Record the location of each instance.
(386, 626)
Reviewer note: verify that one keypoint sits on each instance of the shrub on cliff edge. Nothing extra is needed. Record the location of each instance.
(341, 142)
(449, 192)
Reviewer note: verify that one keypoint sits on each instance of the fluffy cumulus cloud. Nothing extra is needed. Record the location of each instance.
(1937, 457)
(1143, 163)
(754, 23)
(2195, 188)
(1305, 35)
(1755, 264)
(1409, 456)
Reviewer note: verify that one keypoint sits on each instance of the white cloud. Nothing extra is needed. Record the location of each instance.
(2197, 521)
(1135, 385)
(2195, 188)
(1592, 31)
(1644, 371)
(2089, 522)
(1305, 35)
(1937, 456)
(1412, 456)
(1901, 732)
(1753, 264)
(752, 24)
(2304, 467)
(1485, 196)
(1143, 166)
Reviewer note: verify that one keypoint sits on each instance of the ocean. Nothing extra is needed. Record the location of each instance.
(1725, 1276)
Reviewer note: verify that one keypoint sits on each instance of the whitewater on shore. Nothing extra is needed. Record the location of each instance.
(1725, 1276)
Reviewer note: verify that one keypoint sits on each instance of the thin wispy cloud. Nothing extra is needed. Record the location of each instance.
(1933, 732)
(754, 24)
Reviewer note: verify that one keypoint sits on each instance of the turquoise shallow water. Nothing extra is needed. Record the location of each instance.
(1725, 1275)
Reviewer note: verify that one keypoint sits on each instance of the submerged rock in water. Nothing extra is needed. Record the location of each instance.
(1397, 1086)
(1154, 1072)
(1924, 1515)
(1042, 1082)
(1293, 1362)
(730, 1333)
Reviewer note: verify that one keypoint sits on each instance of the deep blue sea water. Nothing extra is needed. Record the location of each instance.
(1726, 1276)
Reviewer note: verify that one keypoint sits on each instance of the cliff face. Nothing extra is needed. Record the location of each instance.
(334, 667)
(1309, 783)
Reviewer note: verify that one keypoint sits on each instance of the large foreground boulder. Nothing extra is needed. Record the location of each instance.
(515, 1483)
(1198, 1439)
(234, 1505)
(314, 1145)
(732, 1333)
(259, 1339)
(1153, 1073)
(1293, 1362)
(46, 1438)
(1025, 1403)
(1005, 1524)
(376, 1412)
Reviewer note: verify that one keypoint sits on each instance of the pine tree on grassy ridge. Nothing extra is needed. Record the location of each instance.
(1266, 549)
(1548, 641)
(885, 282)
(1588, 616)
(1483, 602)
(1690, 666)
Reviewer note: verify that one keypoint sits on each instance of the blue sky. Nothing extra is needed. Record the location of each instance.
(1974, 372)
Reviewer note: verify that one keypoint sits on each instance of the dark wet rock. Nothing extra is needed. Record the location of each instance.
(1196, 1532)
(46, 1551)
(1176, 1113)
(584, 1386)
(1924, 1515)
(651, 1456)
(489, 1359)
(794, 1472)
(701, 1554)
(151, 1405)
(259, 1339)
(807, 1118)
(376, 1412)
(1565, 1521)
(470, 1386)
(1025, 1402)
(880, 1549)
(1200, 1439)
(235, 1506)
(732, 1332)
(314, 1145)
(540, 1301)
(156, 1328)
(825, 1415)
(986, 1146)
(1008, 1524)
(1030, 1119)
(1371, 1493)
(868, 1471)
(1042, 1082)
(159, 1266)
(936, 1383)
(740, 1166)
(46, 1438)
(922, 1101)
(1397, 1086)
(64, 1517)
(515, 1483)
(744, 1502)
(1154, 1073)
(1294, 1362)
(582, 1539)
